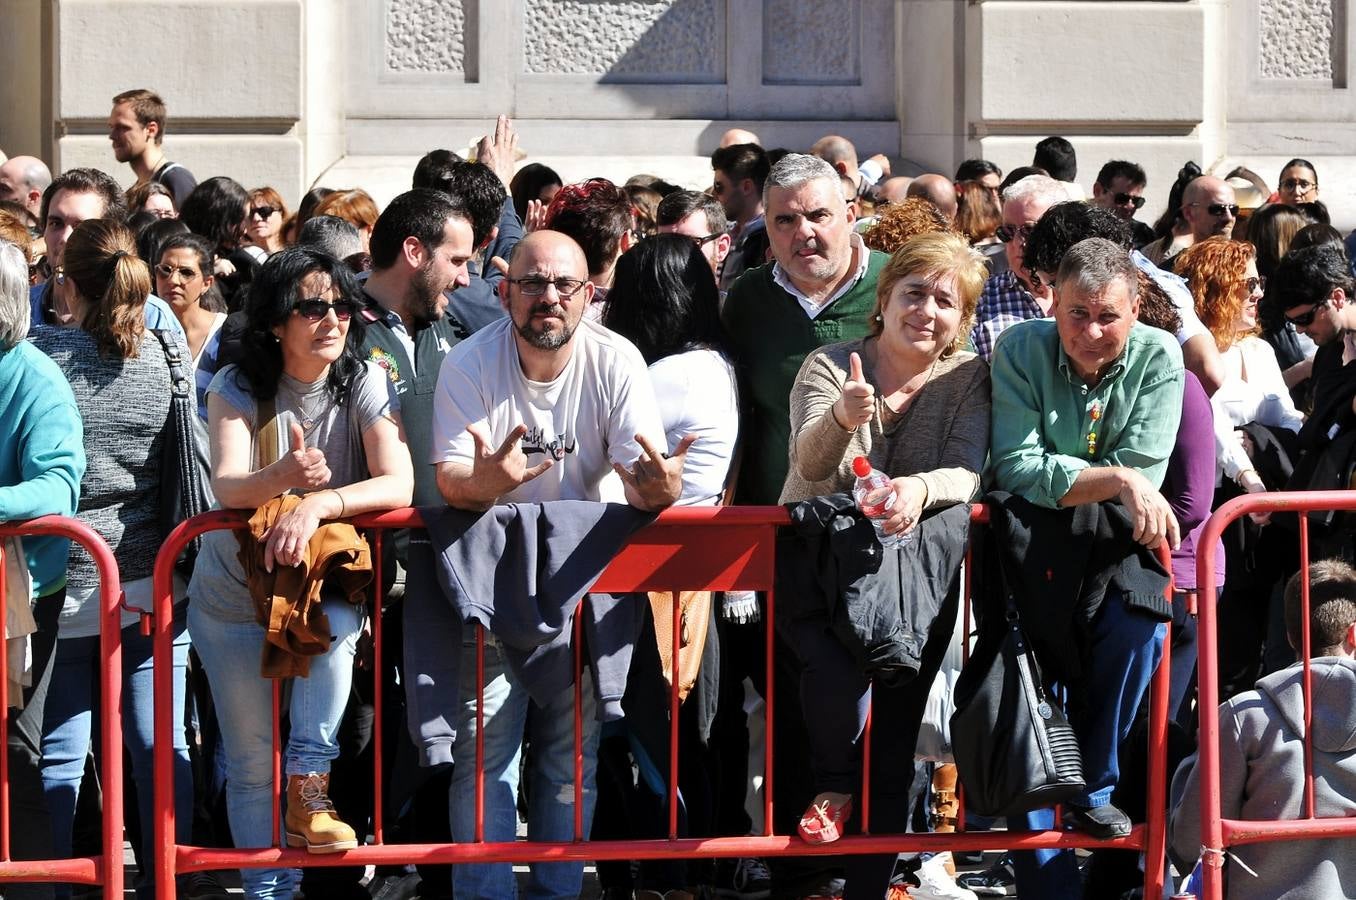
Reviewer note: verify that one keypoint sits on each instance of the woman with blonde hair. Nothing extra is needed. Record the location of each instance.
(118, 372)
(915, 404)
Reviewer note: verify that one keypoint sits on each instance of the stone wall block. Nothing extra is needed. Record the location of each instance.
(209, 59)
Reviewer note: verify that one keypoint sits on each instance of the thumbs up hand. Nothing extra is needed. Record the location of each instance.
(304, 467)
(857, 404)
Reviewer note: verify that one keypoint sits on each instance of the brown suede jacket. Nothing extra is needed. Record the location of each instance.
(287, 600)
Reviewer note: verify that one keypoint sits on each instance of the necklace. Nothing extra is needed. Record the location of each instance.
(311, 414)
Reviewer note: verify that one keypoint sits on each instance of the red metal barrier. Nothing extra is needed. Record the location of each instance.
(107, 868)
(1217, 833)
(713, 548)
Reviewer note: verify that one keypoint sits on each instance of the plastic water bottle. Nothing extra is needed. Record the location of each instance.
(875, 497)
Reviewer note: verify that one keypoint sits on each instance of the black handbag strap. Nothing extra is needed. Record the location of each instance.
(181, 415)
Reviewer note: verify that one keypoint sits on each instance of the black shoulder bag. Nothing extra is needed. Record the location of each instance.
(185, 490)
(1015, 751)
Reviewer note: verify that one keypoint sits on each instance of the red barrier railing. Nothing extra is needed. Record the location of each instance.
(1217, 833)
(705, 548)
(107, 868)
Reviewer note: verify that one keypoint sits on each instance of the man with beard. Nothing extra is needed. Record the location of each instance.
(420, 247)
(540, 406)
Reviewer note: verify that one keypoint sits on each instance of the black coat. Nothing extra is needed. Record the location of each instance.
(880, 604)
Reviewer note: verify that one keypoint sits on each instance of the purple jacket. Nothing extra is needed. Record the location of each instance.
(1189, 484)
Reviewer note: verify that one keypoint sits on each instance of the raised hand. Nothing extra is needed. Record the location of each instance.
(857, 404)
(656, 479)
(498, 471)
(536, 216)
(499, 151)
(304, 467)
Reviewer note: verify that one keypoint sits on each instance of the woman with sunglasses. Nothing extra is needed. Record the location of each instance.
(1298, 183)
(183, 278)
(121, 380)
(264, 222)
(340, 446)
(1255, 425)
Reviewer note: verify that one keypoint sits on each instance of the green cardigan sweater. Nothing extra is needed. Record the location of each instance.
(770, 336)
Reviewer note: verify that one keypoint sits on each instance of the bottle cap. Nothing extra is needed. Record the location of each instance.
(861, 467)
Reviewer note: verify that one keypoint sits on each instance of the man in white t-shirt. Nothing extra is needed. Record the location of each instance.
(542, 405)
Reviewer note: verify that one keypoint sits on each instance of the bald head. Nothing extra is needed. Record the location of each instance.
(894, 190)
(1209, 207)
(739, 136)
(937, 190)
(23, 179)
(838, 152)
(543, 244)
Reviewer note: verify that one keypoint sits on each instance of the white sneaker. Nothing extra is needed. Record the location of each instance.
(935, 884)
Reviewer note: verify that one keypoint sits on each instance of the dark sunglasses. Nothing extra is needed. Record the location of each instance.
(1122, 199)
(263, 212)
(1006, 233)
(1304, 320)
(315, 309)
(1218, 209)
(532, 286)
(1254, 284)
(700, 242)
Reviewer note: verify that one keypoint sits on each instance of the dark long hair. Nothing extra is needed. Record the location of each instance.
(269, 304)
(664, 298)
(216, 210)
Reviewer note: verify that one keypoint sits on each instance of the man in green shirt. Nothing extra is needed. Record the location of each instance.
(1085, 410)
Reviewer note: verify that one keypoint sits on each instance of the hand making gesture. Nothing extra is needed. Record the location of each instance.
(857, 404)
(496, 472)
(656, 479)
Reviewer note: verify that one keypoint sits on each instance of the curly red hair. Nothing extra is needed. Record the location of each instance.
(1214, 270)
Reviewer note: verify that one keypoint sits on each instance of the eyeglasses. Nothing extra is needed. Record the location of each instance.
(1132, 199)
(532, 286)
(169, 273)
(1008, 233)
(315, 309)
(700, 242)
(1255, 284)
(263, 212)
(1218, 209)
(1299, 185)
(1304, 320)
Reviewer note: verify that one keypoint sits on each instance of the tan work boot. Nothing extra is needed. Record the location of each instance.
(311, 821)
(945, 806)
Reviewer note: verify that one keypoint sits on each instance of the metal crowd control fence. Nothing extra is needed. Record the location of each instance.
(105, 869)
(1217, 833)
(707, 548)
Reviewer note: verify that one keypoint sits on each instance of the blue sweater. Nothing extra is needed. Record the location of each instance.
(42, 455)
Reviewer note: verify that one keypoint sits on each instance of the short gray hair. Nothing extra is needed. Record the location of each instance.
(1038, 187)
(795, 169)
(1090, 266)
(13, 295)
(331, 234)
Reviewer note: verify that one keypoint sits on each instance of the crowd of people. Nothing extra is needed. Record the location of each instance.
(542, 367)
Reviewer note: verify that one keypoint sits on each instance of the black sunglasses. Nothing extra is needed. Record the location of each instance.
(315, 309)
(263, 212)
(1122, 199)
(1218, 209)
(1304, 320)
(1006, 233)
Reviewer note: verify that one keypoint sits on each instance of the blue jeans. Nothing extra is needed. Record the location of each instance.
(1126, 647)
(550, 728)
(230, 653)
(71, 717)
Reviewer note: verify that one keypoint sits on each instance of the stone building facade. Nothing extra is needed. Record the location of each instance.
(288, 92)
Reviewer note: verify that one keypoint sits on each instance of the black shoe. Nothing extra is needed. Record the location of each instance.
(993, 881)
(1101, 822)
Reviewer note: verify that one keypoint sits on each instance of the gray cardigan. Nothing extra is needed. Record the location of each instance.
(125, 407)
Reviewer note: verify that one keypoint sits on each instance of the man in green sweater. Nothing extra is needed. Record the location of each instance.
(819, 289)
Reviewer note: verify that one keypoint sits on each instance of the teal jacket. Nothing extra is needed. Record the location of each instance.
(42, 455)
